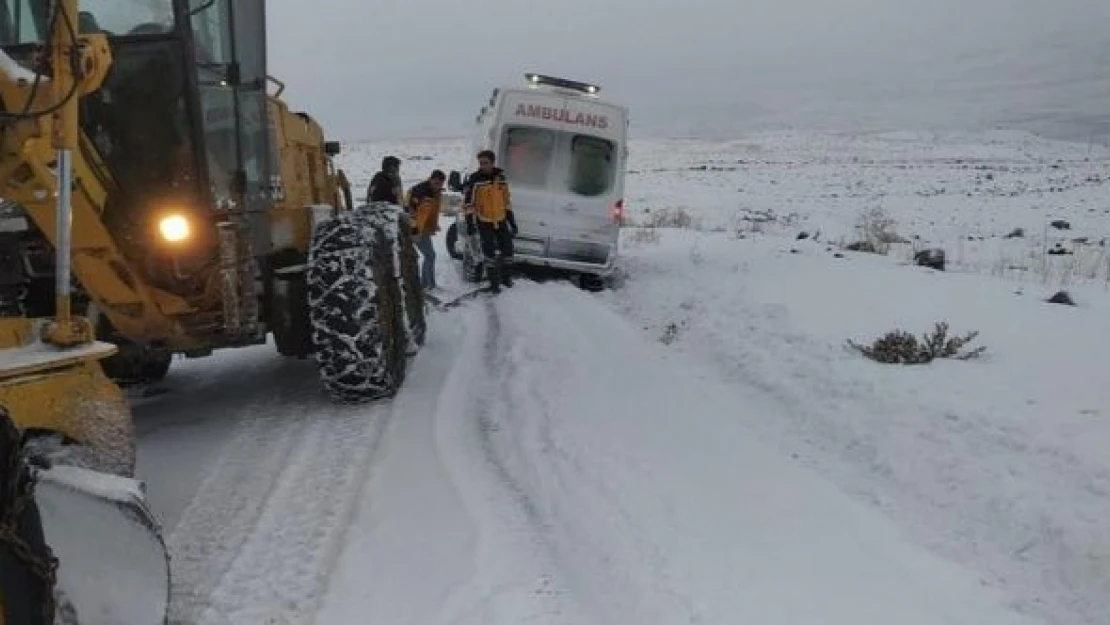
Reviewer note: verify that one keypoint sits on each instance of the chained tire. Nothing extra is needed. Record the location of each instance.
(27, 565)
(355, 303)
(408, 262)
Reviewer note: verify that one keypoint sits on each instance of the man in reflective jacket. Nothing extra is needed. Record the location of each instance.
(489, 213)
(423, 204)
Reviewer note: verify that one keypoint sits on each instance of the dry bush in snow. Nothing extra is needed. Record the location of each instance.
(875, 232)
(899, 347)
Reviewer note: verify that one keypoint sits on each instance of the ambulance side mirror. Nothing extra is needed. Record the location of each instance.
(454, 181)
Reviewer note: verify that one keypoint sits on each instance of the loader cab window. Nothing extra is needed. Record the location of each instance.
(27, 21)
(233, 116)
(592, 165)
(23, 21)
(211, 35)
(139, 121)
(528, 155)
(119, 18)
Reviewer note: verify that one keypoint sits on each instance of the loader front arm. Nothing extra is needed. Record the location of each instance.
(39, 111)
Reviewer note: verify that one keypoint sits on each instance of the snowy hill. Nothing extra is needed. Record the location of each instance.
(995, 462)
(699, 444)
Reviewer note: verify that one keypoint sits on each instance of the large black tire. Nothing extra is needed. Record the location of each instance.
(355, 304)
(407, 259)
(25, 594)
(292, 329)
(453, 241)
(132, 363)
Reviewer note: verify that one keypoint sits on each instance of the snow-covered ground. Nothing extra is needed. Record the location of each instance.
(698, 445)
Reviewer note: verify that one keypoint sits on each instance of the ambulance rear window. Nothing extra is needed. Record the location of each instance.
(592, 165)
(528, 153)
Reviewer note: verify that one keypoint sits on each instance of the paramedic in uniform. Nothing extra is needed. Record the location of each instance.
(423, 204)
(489, 212)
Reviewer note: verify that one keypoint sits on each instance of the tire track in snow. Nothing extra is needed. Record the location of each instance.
(558, 503)
(282, 570)
(278, 497)
(516, 579)
(216, 524)
(494, 359)
(625, 576)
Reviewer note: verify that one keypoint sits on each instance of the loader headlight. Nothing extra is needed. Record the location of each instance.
(174, 228)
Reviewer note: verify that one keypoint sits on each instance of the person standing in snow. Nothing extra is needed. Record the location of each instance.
(423, 203)
(385, 186)
(489, 213)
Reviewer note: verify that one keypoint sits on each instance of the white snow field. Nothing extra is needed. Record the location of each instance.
(698, 444)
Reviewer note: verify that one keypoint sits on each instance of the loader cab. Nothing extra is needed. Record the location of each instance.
(181, 120)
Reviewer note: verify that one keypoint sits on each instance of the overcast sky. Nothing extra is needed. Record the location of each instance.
(375, 69)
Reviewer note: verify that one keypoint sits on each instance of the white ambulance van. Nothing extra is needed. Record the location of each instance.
(564, 151)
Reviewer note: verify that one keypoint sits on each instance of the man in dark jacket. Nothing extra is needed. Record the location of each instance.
(385, 186)
(489, 213)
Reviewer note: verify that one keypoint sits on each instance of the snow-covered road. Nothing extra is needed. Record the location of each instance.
(698, 445)
(544, 463)
(551, 466)
(269, 473)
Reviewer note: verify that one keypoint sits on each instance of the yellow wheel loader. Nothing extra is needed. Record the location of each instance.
(157, 199)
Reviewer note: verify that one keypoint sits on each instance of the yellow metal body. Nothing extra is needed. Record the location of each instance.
(50, 377)
(25, 177)
(111, 274)
(307, 173)
(137, 309)
(63, 390)
(51, 380)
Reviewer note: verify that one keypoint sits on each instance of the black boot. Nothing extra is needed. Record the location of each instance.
(494, 272)
(505, 269)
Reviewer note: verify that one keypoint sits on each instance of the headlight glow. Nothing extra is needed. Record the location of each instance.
(174, 228)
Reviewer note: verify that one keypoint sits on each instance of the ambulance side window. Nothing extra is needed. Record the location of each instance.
(592, 165)
(527, 155)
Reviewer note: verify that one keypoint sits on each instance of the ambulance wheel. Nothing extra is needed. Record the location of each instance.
(356, 306)
(591, 282)
(410, 278)
(473, 270)
(453, 241)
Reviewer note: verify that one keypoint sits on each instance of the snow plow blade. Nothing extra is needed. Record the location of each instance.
(113, 566)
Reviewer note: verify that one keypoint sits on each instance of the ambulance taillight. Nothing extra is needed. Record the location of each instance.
(618, 212)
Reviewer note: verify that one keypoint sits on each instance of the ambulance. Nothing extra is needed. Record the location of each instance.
(564, 151)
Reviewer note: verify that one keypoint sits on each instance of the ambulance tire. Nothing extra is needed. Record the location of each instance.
(453, 241)
(356, 304)
(473, 269)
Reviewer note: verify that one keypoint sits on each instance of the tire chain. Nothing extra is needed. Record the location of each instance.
(18, 489)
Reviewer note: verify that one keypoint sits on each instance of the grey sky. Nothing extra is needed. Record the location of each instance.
(371, 69)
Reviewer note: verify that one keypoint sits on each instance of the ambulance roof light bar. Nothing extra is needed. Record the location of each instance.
(535, 80)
